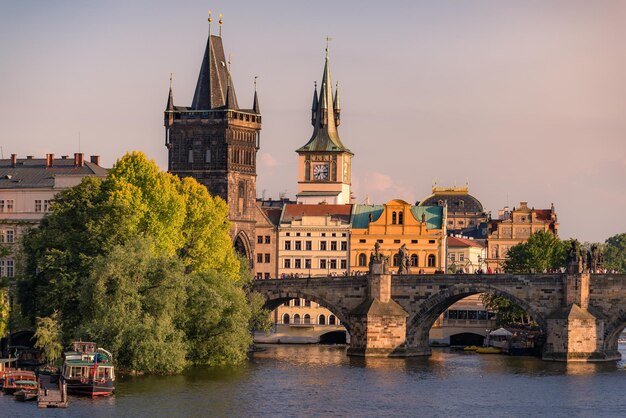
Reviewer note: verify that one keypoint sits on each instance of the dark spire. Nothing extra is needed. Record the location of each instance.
(325, 136)
(213, 80)
(337, 105)
(230, 95)
(255, 104)
(170, 98)
(314, 105)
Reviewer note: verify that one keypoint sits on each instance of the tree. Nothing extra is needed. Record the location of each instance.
(142, 262)
(48, 337)
(508, 312)
(541, 252)
(615, 253)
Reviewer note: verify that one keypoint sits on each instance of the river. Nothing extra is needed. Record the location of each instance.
(314, 380)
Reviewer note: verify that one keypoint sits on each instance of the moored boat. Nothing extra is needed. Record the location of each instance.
(15, 380)
(24, 395)
(88, 370)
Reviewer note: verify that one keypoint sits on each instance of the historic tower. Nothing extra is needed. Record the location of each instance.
(215, 142)
(324, 162)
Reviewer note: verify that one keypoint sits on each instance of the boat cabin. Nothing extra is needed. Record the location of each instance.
(76, 369)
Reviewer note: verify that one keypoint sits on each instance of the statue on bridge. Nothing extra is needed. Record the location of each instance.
(403, 260)
(595, 258)
(377, 258)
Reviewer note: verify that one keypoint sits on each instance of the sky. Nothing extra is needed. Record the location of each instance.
(523, 100)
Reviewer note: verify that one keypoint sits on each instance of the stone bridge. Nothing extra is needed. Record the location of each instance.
(582, 315)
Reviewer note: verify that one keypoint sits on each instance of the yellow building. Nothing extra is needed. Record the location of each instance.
(514, 227)
(396, 223)
(266, 248)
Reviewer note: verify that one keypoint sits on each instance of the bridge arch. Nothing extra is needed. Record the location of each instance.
(276, 298)
(422, 320)
(613, 331)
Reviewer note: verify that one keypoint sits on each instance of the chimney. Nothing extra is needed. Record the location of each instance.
(95, 159)
(79, 159)
(49, 160)
(29, 157)
(13, 160)
(64, 157)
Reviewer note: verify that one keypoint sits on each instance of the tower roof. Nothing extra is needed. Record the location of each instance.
(325, 136)
(213, 81)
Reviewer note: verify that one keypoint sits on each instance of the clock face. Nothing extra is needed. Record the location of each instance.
(320, 172)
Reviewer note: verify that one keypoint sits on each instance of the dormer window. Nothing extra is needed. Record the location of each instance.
(462, 203)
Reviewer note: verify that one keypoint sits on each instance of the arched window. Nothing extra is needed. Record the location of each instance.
(462, 203)
(307, 319)
(296, 319)
(286, 318)
(321, 320)
(413, 260)
(362, 260)
(207, 156)
(395, 260)
(400, 218)
(393, 218)
(332, 320)
(190, 156)
(431, 260)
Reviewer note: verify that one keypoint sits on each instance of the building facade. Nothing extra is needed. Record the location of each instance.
(27, 188)
(466, 255)
(514, 227)
(324, 163)
(421, 229)
(216, 142)
(266, 248)
(465, 213)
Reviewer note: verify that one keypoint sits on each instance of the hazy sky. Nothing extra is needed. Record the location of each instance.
(524, 99)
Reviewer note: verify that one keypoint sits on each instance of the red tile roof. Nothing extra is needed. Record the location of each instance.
(463, 242)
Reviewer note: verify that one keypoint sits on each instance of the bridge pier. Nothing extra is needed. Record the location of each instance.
(574, 334)
(378, 325)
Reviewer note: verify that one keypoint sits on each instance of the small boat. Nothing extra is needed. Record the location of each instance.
(16, 380)
(470, 348)
(5, 366)
(488, 350)
(88, 370)
(24, 395)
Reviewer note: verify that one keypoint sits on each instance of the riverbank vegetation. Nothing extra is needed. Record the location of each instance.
(142, 263)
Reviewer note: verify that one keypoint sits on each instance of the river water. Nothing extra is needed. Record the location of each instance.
(313, 380)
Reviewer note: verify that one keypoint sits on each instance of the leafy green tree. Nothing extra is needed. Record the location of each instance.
(615, 253)
(48, 337)
(508, 312)
(542, 251)
(142, 263)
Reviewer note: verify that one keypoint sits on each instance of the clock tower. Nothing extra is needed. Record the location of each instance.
(324, 163)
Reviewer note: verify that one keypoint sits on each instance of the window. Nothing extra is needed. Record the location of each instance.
(288, 234)
(296, 319)
(241, 197)
(308, 245)
(380, 241)
(259, 239)
(461, 203)
(296, 302)
(297, 234)
(400, 217)
(322, 264)
(344, 264)
(287, 245)
(461, 222)
(267, 239)
(307, 317)
(190, 156)
(393, 218)
(461, 257)
(307, 263)
(333, 245)
(8, 236)
(287, 263)
(287, 304)
(267, 275)
(298, 245)
(362, 260)
(333, 264)
(334, 234)
(344, 234)
(332, 320)
(322, 245)
(267, 258)
(344, 245)
(297, 263)
(207, 156)
(362, 241)
(413, 241)
(396, 241)
(323, 234)
(286, 317)
(9, 205)
(37, 205)
(414, 260)
(431, 260)
(7, 268)
(321, 320)
(46, 206)
(308, 234)
(396, 260)
(307, 303)
(452, 257)
(259, 258)
(431, 241)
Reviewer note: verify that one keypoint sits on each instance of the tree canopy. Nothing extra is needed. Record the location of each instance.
(541, 252)
(142, 263)
(615, 253)
(48, 337)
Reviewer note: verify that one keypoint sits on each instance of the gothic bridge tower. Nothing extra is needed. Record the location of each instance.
(216, 142)
(324, 163)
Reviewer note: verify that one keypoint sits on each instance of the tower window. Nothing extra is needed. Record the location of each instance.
(393, 218)
(400, 218)
(190, 156)
(241, 198)
(207, 157)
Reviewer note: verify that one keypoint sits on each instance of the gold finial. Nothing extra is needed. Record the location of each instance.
(221, 21)
(210, 19)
